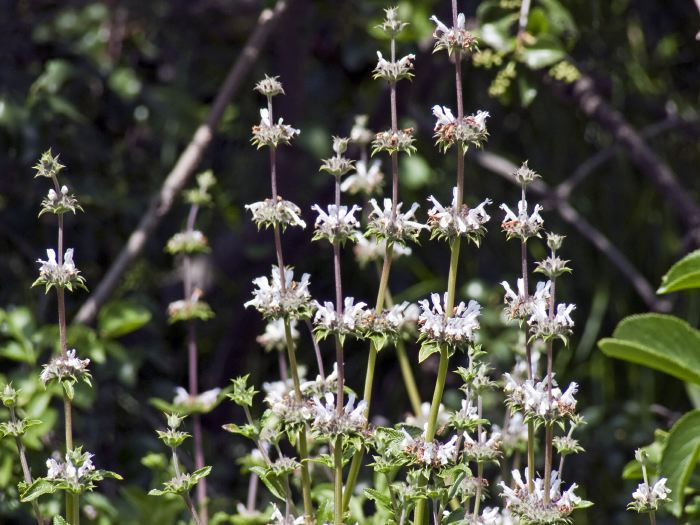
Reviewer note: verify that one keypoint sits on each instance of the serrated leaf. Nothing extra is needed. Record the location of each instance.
(38, 488)
(680, 457)
(683, 275)
(382, 500)
(661, 342)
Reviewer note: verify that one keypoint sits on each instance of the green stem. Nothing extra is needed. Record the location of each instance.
(338, 464)
(477, 497)
(303, 446)
(530, 456)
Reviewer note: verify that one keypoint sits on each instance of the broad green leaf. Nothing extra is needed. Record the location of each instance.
(426, 350)
(121, 318)
(683, 275)
(36, 489)
(545, 52)
(680, 457)
(661, 342)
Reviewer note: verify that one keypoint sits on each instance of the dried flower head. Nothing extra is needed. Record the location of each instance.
(454, 39)
(429, 453)
(276, 212)
(450, 130)
(393, 227)
(269, 86)
(272, 135)
(391, 142)
(449, 222)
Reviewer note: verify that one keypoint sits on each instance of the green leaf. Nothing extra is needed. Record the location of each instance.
(661, 342)
(683, 275)
(58, 520)
(120, 318)
(38, 488)
(545, 52)
(382, 500)
(680, 457)
(426, 350)
(497, 34)
(200, 473)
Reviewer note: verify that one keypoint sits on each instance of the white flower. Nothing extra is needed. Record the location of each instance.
(531, 507)
(203, 402)
(273, 300)
(274, 337)
(542, 326)
(443, 114)
(278, 518)
(450, 130)
(338, 224)
(271, 212)
(327, 419)
(457, 329)
(523, 225)
(394, 71)
(447, 451)
(350, 321)
(365, 180)
(69, 368)
(453, 38)
(447, 222)
(269, 134)
(367, 250)
(649, 498)
(400, 228)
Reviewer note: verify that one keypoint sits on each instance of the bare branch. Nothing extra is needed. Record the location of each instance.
(185, 166)
(505, 168)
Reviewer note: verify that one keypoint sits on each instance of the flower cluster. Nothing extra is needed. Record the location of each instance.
(449, 222)
(338, 165)
(274, 298)
(274, 337)
(532, 399)
(272, 135)
(533, 507)
(59, 202)
(394, 141)
(394, 227)
(189, 309)
(523, 225)
(393, 71)
(66, 369)
(524, 175)
(200, 196)
(269, 86)
(276, 212)
(337, 225)
(350, 321)
(429, 453)
(191, 241)
(544, 326)
(453, 39)
(450, 130)
(329, 423)
(65, 275)
(454, 330)
(392, 25)
(370, 249)
(521, 305)
(484, 447)
(366, 179)
(648, 498)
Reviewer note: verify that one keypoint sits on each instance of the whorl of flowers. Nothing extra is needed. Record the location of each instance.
(272, 135)
(370, 249)
(450, 130)
(187, 242)
(73, 469)
(189, 309)
(553, 266)
(285, 409)
(467, 417)
(68, 368)
(532, 399)
(202, 403)
(328, 423)
(338, 224)
(320, 386)
(454, 39)
(365, 180)
(269, 86)
(274, 337)
(338, 165)
(449, 222)
(327, 321)
(544, 327)
(393, 71)
(530, 507)
(276, 212)
(456, 330)
(396, 321)
(273, 300)
(59, 202)
(524, 175)
(392, 24)
(429, 453)
(523, 225)
(393, 142)
(520, 305)
(395, 229)
(64, 276)
(648, 498)
(484, 447)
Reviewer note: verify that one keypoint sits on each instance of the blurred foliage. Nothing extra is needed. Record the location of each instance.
(118, 87)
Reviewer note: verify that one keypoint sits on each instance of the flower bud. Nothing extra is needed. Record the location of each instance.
(9, 396)
(269, 86)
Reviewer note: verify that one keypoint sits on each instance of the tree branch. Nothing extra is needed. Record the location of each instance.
(185, 166)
